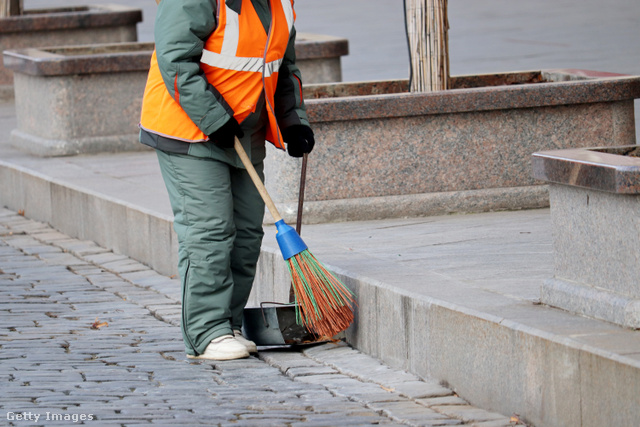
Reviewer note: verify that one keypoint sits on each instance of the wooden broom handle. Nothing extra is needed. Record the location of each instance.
(256, 180)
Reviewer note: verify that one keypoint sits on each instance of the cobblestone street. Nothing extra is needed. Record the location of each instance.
(91, 336)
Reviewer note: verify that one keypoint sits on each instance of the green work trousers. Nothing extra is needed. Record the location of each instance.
(218, 216)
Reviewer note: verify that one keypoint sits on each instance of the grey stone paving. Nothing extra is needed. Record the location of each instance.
(87, 335)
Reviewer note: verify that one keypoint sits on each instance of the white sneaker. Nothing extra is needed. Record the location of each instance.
(250, 345)
(225, 347)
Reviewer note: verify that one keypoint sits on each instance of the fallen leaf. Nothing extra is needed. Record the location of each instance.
(21, 212)
(515, 418)
(98, 325)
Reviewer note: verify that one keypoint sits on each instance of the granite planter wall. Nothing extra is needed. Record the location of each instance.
(383, 152)
(78, 99)
(595, 214)
(86, 99)
(319, 57)
(65, 26)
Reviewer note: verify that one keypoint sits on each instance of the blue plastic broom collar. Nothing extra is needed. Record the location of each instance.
(289, 240)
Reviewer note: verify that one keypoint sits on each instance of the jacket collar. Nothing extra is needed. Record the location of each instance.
(234, 5)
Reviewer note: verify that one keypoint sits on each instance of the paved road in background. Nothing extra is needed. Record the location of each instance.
(485, 36)
(132, 370)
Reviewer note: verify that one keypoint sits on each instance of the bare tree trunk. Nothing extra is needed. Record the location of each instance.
(10, 8)
(427, 32)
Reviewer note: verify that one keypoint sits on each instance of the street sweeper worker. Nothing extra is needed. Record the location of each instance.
(220, 70)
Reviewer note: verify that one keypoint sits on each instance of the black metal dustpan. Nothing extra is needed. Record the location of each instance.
(275, 323)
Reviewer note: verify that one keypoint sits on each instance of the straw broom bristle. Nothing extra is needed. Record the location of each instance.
(324, 303)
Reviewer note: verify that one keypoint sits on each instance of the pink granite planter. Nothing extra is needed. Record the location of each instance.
(383, 152)
(595, 206)
(65, 26)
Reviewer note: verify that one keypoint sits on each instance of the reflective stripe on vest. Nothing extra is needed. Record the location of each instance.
(253, 65)
(240, 60)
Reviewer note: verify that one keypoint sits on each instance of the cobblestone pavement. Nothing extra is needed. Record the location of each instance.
(90, 336)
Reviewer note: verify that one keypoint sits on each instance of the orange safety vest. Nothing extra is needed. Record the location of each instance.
(236, 63)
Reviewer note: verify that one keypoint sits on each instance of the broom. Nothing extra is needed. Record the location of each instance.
(324, 305)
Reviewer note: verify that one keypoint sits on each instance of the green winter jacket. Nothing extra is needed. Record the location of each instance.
(181, 29)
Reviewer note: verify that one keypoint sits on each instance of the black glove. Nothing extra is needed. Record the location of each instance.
(224, 137)
(299, 139)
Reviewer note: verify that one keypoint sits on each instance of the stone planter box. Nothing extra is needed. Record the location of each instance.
(86, 99)
(595, 214)
(319, 57)
(65, 26)
(383, 152)
(79, 99)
